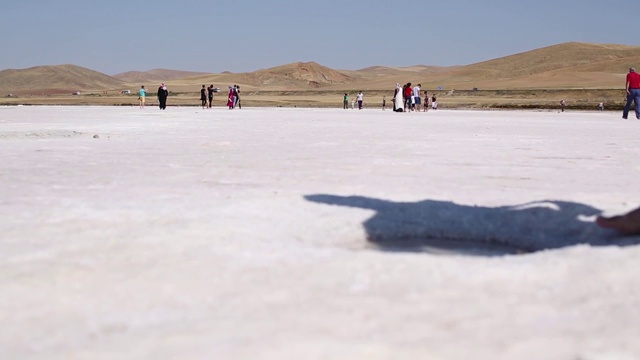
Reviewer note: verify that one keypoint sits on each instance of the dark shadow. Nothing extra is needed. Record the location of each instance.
(446, 227)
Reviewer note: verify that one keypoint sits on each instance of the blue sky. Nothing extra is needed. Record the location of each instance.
(114, 36)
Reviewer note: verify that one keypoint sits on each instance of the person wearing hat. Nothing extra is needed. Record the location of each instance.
(163, 93)
(633, 93)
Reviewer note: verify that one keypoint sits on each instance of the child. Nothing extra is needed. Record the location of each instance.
(353, 104)
(426, 101)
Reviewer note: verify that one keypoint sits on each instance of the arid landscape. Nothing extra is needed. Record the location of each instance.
(583, 74)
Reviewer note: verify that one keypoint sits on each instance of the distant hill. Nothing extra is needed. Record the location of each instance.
(55, 79)
(568, 65)
(155, 75)
(304, 74)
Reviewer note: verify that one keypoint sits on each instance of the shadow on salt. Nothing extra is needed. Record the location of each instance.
(442, 227)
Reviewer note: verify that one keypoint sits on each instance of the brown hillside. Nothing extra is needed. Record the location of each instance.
(564, 66)
(55, 78)
(563, 56)
(309, 74)
(155, 75)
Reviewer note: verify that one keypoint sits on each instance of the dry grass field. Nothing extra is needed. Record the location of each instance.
(583, 74)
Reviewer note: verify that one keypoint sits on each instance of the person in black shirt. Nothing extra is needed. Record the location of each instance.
(163, 93)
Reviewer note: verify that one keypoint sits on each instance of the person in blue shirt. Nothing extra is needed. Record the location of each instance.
(142, 94)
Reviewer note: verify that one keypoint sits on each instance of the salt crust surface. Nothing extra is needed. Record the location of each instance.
(316, 234)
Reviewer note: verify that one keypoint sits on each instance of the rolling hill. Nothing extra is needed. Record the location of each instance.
(55, 79)
(562, 66)
(155, 75)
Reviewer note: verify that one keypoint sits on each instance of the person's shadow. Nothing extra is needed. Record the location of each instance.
(446, 227)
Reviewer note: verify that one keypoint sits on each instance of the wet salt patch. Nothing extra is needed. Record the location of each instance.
(9, 135)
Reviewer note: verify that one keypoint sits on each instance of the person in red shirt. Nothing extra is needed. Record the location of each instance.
(408, 92)
(633, 93)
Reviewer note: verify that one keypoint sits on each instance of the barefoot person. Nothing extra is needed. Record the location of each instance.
(628, 224)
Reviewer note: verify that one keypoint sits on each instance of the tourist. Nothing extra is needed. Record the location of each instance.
(360, 100)
(562, 105)
(236, 92)
(203, 97)
(142, 94)
(407, 92)
(434, 102)
(426, 101)
(397, 99)
(210, 95)
(416, 97)
(600, 106)
(633, 93)
(345, 101)
(232, 97)
(384, 103)
(163, 93)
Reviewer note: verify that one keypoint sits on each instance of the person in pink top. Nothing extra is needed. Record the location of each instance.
(633, 93)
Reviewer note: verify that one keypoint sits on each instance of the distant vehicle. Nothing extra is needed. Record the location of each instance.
(10, 95)
(216, 89)
(76, 93)
(125, 92)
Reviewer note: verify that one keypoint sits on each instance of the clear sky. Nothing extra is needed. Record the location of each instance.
(113, 36)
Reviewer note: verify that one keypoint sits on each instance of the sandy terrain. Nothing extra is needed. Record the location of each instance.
(585, 99)
(316, 234)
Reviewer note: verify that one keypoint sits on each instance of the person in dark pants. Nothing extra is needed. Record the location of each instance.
(238, 103)
(210, 93)
(203, 97)
(633, 93)
(163, 93)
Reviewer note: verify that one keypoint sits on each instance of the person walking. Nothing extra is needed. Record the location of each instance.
(416, 96)
(434, 102)
(360, 100)
(236, 93)
(345, 101)
(563, 104)
(232, 98)
(397, 99)
(210, 95)
(633, 93)
(384, 103)
(426, 101)
(203, 97)
(163, 93)
(142, 94)
(408, 97)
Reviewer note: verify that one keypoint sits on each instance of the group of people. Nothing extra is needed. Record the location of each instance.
(233, 100)
(207, 94)
(359, 98)
(162, 93)
(407, 98)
